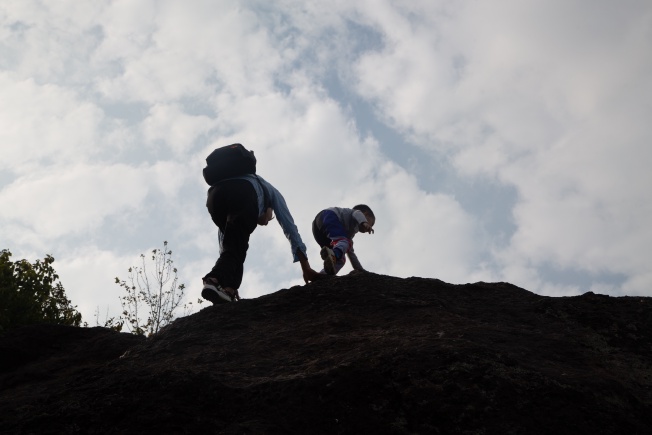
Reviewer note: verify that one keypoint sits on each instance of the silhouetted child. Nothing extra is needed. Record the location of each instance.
(334, 229)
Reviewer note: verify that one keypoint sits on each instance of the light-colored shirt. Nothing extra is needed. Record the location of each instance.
(281, 210)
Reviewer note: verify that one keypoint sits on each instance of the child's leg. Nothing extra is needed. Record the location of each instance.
(235, 211)
(319, 232)
(337, 235)
(234, 251)
(329, 231)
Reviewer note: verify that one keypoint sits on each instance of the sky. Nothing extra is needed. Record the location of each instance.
(495, 141)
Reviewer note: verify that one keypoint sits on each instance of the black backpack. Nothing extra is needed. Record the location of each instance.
(227, 162)
(232, 161)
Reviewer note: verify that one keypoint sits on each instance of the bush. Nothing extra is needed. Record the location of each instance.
(32, 293)
(152, 294)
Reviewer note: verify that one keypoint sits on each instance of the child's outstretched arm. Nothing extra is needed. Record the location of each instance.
(355, 263)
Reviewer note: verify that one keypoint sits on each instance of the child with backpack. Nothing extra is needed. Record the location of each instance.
(239, 200)
(334, 228)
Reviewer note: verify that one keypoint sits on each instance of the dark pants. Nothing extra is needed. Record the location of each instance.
(233, 206)
(329, 231)
(319, 232)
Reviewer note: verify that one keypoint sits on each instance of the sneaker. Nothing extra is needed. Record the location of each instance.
(214, 293)
(329, 258)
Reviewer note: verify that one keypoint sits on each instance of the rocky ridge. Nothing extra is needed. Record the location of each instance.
(361, 353)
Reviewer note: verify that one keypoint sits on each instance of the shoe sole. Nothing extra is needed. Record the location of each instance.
(215, 296)
(329, 264)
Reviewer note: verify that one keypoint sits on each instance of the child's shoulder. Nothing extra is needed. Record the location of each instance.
(340, 209)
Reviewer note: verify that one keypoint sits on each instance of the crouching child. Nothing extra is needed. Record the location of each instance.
(334, 229)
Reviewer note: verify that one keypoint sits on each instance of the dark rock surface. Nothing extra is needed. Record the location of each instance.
(357, 354)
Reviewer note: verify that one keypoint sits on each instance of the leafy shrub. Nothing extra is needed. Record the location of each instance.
(32, 293)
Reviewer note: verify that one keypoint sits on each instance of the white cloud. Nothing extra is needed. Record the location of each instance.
(71, 201)
(559, 115)
(171, 126)
(416, 233)
(185, 52)
(76, 200)
(88, 275)
(49, 42)
(44, 123)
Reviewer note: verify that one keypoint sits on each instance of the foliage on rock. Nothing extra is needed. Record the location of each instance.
(32, 293)
(153, 294)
